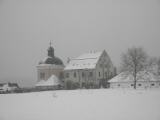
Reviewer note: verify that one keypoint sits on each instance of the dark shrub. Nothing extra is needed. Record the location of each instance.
(71, 85)
(75, 85)
(68, 85)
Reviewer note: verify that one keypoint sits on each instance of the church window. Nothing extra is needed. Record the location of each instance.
(42, 76)
(90, 74)
(82, 74)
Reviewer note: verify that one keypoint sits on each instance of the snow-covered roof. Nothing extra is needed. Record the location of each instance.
(141, 76)
(52, 81)
(84, 61)
(122, 77)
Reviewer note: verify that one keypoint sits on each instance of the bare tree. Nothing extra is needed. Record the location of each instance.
(158, 64)
(153, 65)
(134, 61)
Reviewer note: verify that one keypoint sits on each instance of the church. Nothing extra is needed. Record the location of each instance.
(50, 70)
(89, 70)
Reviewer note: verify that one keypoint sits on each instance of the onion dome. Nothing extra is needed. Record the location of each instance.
(52, 59)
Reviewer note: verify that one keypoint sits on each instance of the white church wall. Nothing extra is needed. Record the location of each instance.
(49, 70)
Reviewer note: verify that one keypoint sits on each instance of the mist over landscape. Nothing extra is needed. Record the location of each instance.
(74, 27)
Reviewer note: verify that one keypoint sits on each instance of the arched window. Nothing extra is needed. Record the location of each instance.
(42, 76)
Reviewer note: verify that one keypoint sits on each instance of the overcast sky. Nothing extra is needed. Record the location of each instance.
(74, 27)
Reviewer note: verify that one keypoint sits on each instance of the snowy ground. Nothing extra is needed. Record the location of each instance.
(102, 104)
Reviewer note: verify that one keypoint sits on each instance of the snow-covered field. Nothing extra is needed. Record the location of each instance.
(102, 104)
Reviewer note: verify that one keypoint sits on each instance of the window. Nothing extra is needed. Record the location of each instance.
(82, 74)
(90, 74)
(152, 84)
(106, 74)
(131, 84)
(99, 74)
(118, 85)
(61, 75)
(67, 75)
(42, 76)
(75, 75)
(139, 85)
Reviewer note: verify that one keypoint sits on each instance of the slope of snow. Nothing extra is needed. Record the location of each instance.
(102, 104)
(122, 77)
(52, 81)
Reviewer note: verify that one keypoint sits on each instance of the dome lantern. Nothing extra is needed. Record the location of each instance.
(50, 51)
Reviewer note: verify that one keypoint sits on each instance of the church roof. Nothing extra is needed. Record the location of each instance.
(84, 61)
(53, 60)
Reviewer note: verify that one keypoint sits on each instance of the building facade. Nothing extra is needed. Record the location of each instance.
(145, 80)
(93, 69)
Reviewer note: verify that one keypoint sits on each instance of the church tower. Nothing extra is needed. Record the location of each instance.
(51, 65)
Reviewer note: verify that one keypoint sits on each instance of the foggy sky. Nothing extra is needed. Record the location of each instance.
(74, 27)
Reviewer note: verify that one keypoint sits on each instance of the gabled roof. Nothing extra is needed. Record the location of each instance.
(52, 81)
(141, 76)
(84, 61)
